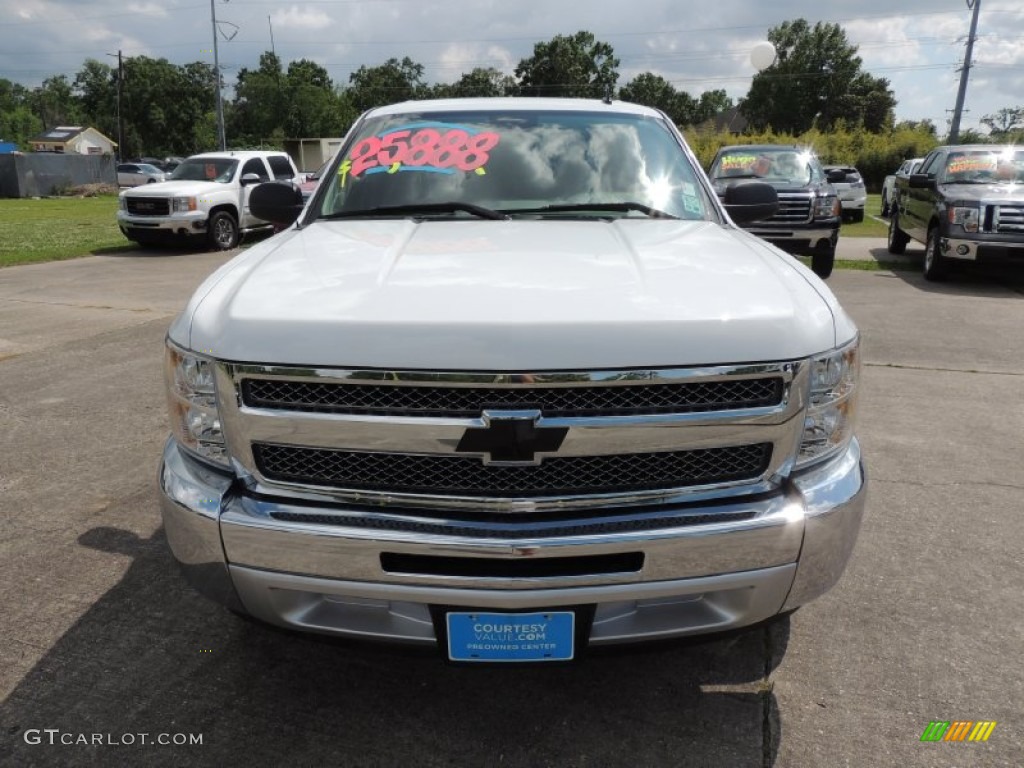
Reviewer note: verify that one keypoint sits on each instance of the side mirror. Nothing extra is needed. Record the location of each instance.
(251, 178)
(836, 176)
(921, 181)
(279, 202)
(750, 201)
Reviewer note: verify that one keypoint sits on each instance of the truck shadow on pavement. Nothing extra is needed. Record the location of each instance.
(964, 279)
(152, 657)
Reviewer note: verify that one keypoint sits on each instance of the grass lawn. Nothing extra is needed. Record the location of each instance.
(58, 228)
(869, 227)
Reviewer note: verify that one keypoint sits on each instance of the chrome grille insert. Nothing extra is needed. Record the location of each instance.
(633, 438)
(1009, 218)
(793, 207)
(462, 402)
(468, 476)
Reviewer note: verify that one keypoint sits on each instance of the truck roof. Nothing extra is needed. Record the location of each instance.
(242, 154)
(515, 103)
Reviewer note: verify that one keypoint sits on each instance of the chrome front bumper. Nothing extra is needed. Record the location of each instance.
(972, 250)
(329, 576)
(191, 222)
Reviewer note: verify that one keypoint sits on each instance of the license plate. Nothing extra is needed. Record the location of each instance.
(546, 636)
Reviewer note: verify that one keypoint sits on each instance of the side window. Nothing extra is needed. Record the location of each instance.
(280, 167)
(930, 166)
(255, 165)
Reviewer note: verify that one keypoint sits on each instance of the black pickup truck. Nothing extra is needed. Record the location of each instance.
(808, 218)
(965, 203)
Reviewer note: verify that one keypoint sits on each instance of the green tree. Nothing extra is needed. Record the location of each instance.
(480, 82)
(55, 103)
(391, 82)
(260, 103)
(314, 108)
(712, 103)
(653, 90)
(926, 126)
(18, 123)
(162, 104)
(1004, 124)
(95, 85)
(815, 81)
(576, 66)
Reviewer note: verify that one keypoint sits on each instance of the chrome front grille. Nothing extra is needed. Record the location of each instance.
(794, 207)
(1008, 218)
(610, 399)
(467, 443)
(469, 476)
(149, 206)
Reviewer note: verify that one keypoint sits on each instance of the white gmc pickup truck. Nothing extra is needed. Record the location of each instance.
(206, 196)
(513, 384)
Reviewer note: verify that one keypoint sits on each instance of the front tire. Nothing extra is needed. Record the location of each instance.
(936, 266)
(823, 260)
(885, 205)
(222, 231)
(898, 239)
(857, 216)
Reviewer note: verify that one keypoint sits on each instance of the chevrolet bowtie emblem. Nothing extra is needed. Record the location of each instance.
(511, 438)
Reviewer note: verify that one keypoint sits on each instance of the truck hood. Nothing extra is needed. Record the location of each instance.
(511, 295)
(990, 193)
(176, 188)
(818, 187)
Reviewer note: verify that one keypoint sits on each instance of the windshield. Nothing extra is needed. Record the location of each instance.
(525, 163)
(781, 165)
(205, 169)
(985, 166)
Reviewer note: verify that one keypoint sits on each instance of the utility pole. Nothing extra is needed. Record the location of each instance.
(120, 86)
(120, 122)
(221, 137)
(965, 71)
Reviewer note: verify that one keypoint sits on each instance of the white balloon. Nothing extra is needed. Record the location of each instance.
(762, 55)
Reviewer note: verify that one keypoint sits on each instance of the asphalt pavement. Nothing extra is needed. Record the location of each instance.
(102, 642)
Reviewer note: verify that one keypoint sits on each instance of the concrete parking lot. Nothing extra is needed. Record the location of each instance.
(99, 635)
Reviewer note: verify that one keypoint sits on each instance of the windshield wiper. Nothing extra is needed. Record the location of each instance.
(414, 209)
(623, 207)
(739, 176)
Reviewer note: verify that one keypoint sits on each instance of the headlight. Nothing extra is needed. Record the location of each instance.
(832, 405)
(122, 202)
(826, 207)
(183, 204)
(192, 403)
(966, 217)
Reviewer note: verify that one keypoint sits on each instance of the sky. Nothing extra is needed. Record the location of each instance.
(918, 45)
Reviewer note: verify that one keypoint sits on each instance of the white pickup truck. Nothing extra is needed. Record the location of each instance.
(206, 196)
(513, 383)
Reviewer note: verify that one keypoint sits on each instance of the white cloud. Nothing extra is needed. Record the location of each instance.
(301, 18)
(148, 9)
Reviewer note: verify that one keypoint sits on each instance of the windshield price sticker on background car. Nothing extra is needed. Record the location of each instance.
(737, 162)
(511, 636)
(435, 148)
(964, 164)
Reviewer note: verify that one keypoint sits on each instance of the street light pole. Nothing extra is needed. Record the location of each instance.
(954, 128)
(221, 137)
